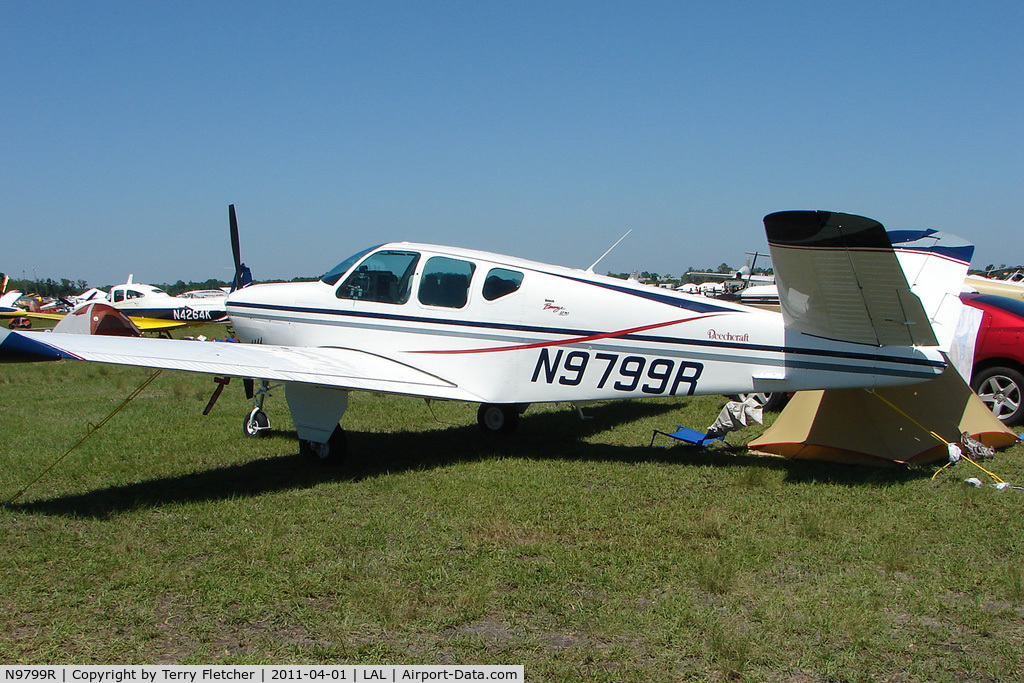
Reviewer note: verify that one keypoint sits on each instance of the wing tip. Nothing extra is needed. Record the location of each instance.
(825, 229)
(20, 348)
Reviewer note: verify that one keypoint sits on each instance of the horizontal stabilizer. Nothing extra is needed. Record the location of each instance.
(935, 265)
(839, 278)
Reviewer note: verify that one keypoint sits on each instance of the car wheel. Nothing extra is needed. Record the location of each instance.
(1001, 390)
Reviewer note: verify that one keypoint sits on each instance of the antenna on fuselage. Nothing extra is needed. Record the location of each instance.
(591, 268)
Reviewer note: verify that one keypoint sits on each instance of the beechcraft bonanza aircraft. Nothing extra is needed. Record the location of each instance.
(457, 324)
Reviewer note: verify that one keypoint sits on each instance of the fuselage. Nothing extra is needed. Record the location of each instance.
(516, 331)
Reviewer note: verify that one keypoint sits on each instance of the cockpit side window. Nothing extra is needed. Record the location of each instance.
(445, 282)
(383, 277)
(118, 295)
(501, 282)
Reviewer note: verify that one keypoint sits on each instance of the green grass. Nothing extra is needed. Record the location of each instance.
(572, 548)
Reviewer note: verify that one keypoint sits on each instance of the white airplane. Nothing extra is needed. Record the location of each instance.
(1011, 286)
(139, 300)
(149, 308)
(91, 294)
(14, 304)
(7, 300)
(741, 278)
(459, 324)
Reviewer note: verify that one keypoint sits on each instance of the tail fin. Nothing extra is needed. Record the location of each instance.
(8, 299)
(935, 264)
(839, 278)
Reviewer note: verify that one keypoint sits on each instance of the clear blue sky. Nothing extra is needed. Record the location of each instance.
(540, 129)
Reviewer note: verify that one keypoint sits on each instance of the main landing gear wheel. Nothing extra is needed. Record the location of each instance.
(496, 418)
(332, 452)
(256, 423)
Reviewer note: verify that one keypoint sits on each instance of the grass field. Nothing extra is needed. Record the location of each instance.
(572, 548)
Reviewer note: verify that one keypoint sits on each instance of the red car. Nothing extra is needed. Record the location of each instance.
(998, 373)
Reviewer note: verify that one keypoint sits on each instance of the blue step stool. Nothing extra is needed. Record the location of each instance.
(691, 436)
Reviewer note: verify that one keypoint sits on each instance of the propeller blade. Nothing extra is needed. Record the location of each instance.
(243, 276)
(236, 250)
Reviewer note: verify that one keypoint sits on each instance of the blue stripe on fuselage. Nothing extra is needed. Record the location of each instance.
(706, 343)
(660, 297)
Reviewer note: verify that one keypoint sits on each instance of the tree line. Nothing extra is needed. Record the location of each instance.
(65, 287)
(47, 287)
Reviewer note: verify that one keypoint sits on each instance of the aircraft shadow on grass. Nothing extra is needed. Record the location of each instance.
(543, 436)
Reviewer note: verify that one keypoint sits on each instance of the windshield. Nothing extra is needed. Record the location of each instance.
(335, 273)
(384, 277)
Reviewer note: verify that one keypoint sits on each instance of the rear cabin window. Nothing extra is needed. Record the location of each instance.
(383, 277)
(445, 282)
(501, 282)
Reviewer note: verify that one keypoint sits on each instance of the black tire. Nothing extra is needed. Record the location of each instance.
(772, 401)
(330, 453)
(1002, 390)
(495, 418)
(256, 423)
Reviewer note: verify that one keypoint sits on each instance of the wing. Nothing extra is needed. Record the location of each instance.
(325, 366)
(714, 276)
(31, 314)
(144, 324)
(156, 324)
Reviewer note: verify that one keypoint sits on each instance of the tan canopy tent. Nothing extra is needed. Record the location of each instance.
(895, 425)
(97, 318)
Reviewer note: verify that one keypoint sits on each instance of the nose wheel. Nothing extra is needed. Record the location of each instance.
(256, 423)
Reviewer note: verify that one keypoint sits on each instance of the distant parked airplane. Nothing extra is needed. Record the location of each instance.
(139, 300)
